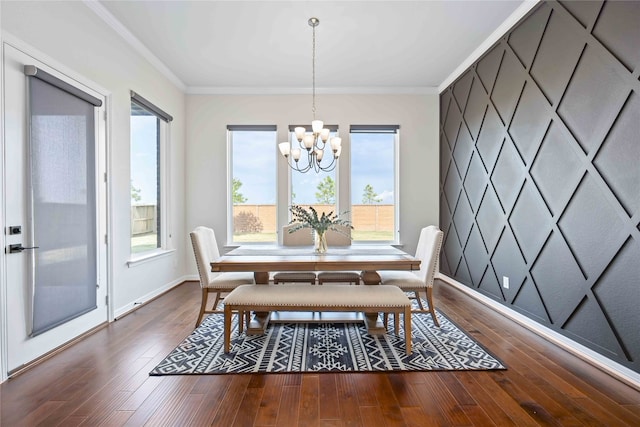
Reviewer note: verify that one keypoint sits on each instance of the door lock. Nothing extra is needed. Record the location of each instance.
(17, 248)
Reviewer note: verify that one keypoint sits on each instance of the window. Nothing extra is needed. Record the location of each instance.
(252, 151)
(374, 182)
(148, 142)
(314, 189)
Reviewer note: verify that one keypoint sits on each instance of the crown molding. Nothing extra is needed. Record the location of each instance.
(512, 20)
(241, 90)
(133, 41)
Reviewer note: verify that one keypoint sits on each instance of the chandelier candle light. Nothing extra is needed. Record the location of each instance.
(316, 141)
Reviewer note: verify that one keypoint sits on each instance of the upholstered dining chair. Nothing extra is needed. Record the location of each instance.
(303, 237)
(341, 238)
(428, 252)
(205, 248)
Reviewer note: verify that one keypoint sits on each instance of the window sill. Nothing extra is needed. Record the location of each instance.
(149, 256)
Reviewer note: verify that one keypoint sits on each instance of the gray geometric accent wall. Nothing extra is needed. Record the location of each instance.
(540, 173)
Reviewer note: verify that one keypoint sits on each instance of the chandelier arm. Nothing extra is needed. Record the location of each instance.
(329, 170)
(302, 146)
(331, 165)
(314, 162)
(295, 166)
(319, 141)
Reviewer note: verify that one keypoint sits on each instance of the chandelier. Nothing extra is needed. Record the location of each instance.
(316, 142)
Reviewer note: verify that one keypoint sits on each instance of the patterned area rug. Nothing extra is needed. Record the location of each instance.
(328, 347)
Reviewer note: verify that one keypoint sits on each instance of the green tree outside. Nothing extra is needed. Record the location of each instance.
(369, 196)
(326, 193)
(237, 197)
(135, 194)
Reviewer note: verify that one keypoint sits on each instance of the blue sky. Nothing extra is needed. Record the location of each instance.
(143, 156)
(372, 162)
(254, 164)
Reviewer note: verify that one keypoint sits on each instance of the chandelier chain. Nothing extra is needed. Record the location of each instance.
(313, 72)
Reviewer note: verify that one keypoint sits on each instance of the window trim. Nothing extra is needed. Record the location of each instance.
(229, 242)
(164, 164)
(377, 129)
(374, 129)
(252, 128)
(332, 128)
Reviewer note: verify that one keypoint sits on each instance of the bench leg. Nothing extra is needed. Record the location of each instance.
(227, 328)
(407, 329)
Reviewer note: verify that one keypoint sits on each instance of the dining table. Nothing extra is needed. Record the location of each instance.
(263, 260)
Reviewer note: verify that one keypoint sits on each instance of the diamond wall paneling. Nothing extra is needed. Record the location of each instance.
(463, 150)
(508, 86)
(540, 142)
(487, 67)
(475, 182)
(508, 175)
(525, 38)
(557, 161)
(508, 260)
(490, 140)
(559, 51)
(618, 30)
(530, 221)
(617, 160)
(529, 126)
(527, 301)
(476, 256)
(593, 99)
(584, 12)
(476, 107)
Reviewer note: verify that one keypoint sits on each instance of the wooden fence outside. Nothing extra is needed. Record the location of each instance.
(363, 217)
(143, 219)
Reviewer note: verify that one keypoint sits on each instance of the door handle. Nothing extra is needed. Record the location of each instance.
(17, 248)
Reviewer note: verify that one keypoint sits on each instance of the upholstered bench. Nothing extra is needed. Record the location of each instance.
(302, 297)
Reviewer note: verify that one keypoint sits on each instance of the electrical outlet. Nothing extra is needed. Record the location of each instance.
(505, 282)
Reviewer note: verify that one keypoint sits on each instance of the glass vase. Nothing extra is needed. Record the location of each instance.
(320, 242)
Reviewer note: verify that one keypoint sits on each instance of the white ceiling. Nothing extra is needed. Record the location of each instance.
(265, 46)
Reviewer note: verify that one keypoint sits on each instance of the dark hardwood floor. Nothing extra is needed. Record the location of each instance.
(103, 380)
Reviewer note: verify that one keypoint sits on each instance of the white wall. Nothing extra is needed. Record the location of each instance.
(208, 116)
(70, 34)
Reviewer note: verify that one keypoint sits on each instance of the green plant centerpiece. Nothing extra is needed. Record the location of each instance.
(309, 218)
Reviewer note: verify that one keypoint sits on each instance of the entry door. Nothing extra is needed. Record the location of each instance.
(55, 210)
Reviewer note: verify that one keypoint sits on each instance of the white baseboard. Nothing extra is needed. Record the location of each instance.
(612, 368)
(139, 302)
